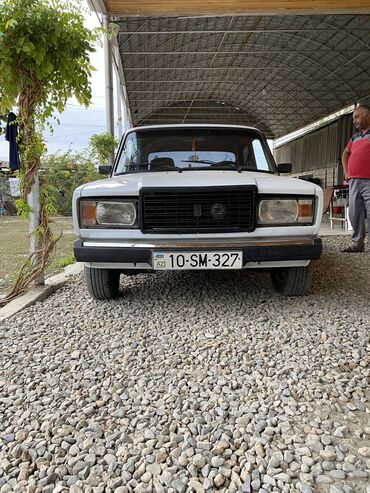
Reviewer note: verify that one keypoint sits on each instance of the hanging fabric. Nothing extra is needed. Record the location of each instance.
(11, 137)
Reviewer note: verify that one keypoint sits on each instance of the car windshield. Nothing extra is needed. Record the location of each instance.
(184, 149)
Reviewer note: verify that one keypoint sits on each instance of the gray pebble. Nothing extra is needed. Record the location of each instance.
(205, 381)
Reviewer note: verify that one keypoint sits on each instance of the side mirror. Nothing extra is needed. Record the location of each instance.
(105, 170)
(284, 167)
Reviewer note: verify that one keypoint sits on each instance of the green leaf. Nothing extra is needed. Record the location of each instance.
(39, 56)
(10, 24)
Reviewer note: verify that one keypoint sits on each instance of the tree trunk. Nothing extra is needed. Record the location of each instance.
(31, 187)
(33, 200)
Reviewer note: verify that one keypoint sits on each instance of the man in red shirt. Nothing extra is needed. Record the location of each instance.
(356, 166)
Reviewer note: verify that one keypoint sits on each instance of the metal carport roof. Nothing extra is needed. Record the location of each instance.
(275, 72)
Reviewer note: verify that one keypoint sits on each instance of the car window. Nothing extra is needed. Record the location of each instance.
(259, 155)
(179, 148)
(129, 155)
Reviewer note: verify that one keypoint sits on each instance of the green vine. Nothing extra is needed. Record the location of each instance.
(23, 209)
(44, 60)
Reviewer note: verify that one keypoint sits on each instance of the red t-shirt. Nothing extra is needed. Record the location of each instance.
(359, 160)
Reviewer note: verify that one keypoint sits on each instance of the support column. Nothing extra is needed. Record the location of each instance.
(108, 85)
(119, 106)
(126, 116)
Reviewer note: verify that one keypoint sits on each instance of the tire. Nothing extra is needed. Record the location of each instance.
(102, 284)
(292, 281)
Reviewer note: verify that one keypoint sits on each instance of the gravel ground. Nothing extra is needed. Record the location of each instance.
(191, 382)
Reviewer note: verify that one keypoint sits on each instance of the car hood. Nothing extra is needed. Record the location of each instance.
(131, 184)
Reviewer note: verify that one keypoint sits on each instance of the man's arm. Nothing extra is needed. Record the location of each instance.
(345, 158)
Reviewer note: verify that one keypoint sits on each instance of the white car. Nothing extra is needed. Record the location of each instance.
(190, 197)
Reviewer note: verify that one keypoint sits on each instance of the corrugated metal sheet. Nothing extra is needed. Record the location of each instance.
(277, 73)
(319, 149)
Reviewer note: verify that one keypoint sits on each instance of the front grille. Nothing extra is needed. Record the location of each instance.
(198, 210)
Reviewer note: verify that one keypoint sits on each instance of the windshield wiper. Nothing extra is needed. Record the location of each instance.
(226, 164)
(201, 161)
(220, 165)
(144, 167)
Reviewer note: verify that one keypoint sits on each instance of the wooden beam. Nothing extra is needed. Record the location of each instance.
(234, 7)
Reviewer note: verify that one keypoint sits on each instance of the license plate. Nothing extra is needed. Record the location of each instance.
(197, 260)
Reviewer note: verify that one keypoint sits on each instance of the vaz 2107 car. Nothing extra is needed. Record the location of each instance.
(190, 197)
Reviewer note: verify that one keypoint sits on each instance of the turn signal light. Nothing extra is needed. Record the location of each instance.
(88, 213)
(305, 209)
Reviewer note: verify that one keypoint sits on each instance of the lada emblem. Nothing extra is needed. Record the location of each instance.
(218, 211)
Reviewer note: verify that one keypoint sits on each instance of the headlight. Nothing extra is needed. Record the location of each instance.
(285, 211)
(95, 213)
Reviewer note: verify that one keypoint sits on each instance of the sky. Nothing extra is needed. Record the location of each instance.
(77, 123)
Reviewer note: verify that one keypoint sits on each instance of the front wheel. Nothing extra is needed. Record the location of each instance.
(102, 284)
(292, 281)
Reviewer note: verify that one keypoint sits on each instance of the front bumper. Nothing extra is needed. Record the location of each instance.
(132, 254)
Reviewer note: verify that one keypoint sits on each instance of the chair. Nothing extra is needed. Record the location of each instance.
(331, 203)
